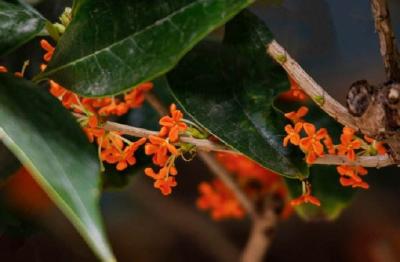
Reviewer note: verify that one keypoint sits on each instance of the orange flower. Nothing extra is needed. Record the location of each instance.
(217, 198)
(162, 179)
(293, 134)
(376, 146)
(135, 98)
(311, 144)
(3, 69)
(111, 146)
(295, 93)
(296, 116)
(48, 48)
(344, 181)
(306, 197)
(42, 67)
(350, 176)
(114, 108)
(127, 157)
(159, 148)
(296, 90)
(348, 144)
(173, 123)
(67, 98)
(165, 185)
(329, 145)
(92, 129)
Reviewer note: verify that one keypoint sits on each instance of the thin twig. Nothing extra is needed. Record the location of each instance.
(209, 146)
(310, 87)
(155, 103)
(387, 40)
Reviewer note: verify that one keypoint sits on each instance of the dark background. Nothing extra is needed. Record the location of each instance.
(335, 41)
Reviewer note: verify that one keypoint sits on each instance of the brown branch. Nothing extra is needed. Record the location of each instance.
(387, 40)
(209, 146)
(261, 235)
(310, 87)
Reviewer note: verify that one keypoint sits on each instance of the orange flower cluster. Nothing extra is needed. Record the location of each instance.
(217, 198)
(316, 143)
(256, 182)
(164, 151)
(113, 147)
(350, 176)
(311, 144)
(101, 106)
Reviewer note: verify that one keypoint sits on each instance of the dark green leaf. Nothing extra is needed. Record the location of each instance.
(49, 142)
(229, 89)
(18, 25)
(326, 187)
(111, 46)
(9, 163)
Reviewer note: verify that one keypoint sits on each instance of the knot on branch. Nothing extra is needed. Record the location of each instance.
(377, 112)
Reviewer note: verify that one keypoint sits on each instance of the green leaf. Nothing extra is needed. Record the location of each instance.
(229, 89)
(9, 164)
(111, 46)
(18, 25)
(50, 143)
(326, 187)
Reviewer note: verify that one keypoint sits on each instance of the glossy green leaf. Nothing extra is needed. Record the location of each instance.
(229, 89)
(18, 25)
(49, 142)
(111, 46)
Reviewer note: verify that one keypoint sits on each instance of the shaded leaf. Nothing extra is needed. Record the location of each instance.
(49, 142)
(18, 25)
(229, 89)
(111, 46)
(9, 163)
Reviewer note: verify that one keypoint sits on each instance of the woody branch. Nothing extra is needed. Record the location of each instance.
(387, 40)
(208, 146)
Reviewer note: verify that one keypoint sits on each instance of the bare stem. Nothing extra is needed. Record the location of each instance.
(261, 235)
(310, 87)
(387, 40)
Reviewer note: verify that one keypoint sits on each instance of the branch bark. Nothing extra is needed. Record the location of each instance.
(209, 146)
(310, 87)
(261, 235)
(387, 40)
